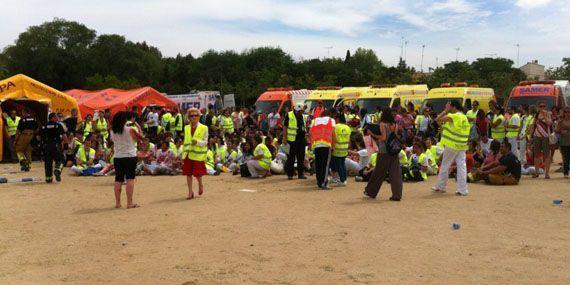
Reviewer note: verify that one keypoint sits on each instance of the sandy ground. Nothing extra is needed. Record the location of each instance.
(285, 233)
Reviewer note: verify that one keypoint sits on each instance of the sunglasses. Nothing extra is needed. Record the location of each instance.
(542, 106)
(193, 116)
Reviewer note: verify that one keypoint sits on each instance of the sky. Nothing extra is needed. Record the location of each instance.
(446, 29)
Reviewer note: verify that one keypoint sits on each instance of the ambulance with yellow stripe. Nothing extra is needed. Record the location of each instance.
(333, 96)
(390, 95)
(437, 98)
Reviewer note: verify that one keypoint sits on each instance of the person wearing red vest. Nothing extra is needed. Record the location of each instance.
(321, 135)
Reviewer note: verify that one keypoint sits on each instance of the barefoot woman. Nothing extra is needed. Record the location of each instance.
(194, 154)
(125, 160)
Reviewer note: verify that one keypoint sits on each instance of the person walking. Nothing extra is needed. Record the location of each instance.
(386, 163)
(294, 133)
(454, 137)
(321, 135)
(340, 141)
(53, 137)
(25, 132)
(194, 152)
(125, 159)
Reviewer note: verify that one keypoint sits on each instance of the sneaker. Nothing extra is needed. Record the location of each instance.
(57, 174)
(325, 188)
(49, 180)
(301, 177)
(434, 189)
(460, 194)
(366, 196)
(358, 179)
(394, 199)
(290, 177)
(341, 184)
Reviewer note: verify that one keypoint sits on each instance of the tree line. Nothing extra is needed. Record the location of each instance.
(67, 54)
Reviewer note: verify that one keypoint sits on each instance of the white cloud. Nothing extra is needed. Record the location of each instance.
(530, 4)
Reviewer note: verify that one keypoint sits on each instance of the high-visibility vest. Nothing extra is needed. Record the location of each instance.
(419, 120)
(403, 158)
(235, 155)
(12, 125)
(514, 132)
(102, 127)
(498, 132)
(195, 152)
(472, 115)
(222, 152)
(321, 135)
(421, 159)
(456, 133)
(342, 138)
(373, 158)
(83, 156)
(87, 128)
(292, 127)
(209, 159)
(172, 147)
(227, 124)
(309, 153)
(527, 121)
(166, 121)
(177, 122)
(265, 162)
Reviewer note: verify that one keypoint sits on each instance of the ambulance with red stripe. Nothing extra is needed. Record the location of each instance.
(280, 99)
(531, 92)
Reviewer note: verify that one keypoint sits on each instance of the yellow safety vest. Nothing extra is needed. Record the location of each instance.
(102, 128)
(12, 125)
(471, 115)
(222, 151)
(166, 118)
(84, 157)
(265, 162)
(403, 158)
(195, 152)
(373, 158)
(87, 129)
(342, 138)
(421, 159)
(292, 127)
(498, 132)
(172, 147)
(177, 126)
(529, 122)
(227, 124)
(209, 159)
(456, 133)
(512, 132)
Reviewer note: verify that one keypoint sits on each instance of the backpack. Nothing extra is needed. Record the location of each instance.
(393, 144)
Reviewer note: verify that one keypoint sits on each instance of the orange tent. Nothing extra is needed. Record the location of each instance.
(119, 100)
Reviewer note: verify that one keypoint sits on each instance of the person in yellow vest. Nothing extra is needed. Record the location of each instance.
(294, 131)
(454, 137)
(227, 122)
(195, 151)
(340, 141)
(497, 122)
(260, 163)
(177, 123)
(85, 159)
(513, 127)
(87, 126)
(321, 134)
(418, 164)
(472, 114)
(165, 120)
(12, 122)
(101, 126)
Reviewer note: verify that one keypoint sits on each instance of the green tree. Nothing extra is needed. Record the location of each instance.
(98, 82)
(54, 52)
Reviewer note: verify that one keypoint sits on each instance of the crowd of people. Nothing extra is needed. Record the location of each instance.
(391, 144)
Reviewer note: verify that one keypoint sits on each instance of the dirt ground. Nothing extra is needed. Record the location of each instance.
(284, 233)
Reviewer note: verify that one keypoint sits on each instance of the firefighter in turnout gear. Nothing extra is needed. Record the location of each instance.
(22, 143)
(52, 134)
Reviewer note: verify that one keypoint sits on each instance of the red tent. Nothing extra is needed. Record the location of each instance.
(119, 100)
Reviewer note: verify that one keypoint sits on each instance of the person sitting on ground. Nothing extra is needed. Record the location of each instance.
(211, 158)
(259, 164)
(491, 159)
(164, 160)
(109, 167)
(72, 147)
(507, 171)
(145, 157)
(418, 164)
(85, 160)
(358, 156)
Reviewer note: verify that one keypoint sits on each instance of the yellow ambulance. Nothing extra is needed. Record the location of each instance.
(332, 96)
(437, 98)
(390, 95)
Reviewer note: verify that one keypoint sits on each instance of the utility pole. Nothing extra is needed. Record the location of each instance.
(328, 51)
(402, 49)
(436, 62)
(405, 50)
(518, 54)
(457, 53)
(422, 61)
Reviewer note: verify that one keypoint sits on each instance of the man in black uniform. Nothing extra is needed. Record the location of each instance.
(52, 134)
